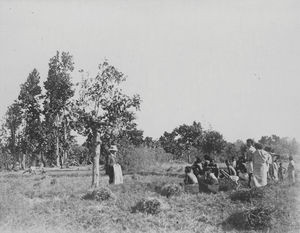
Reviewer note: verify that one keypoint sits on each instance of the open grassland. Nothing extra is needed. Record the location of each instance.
(54, 203)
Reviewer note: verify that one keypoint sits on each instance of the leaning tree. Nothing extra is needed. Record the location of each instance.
(102, 110)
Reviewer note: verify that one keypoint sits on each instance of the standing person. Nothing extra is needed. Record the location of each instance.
(249, 157)
(271, 164)
(233, 162)
(261, 160)
(291, 171)
(281, 172)
(114, 169)
(275, 168)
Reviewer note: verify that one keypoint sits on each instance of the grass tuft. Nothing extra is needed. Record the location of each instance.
(170, 190)
(99, 194)
(149, 206)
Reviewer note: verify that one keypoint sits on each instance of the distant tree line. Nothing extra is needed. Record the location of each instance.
(186, 142)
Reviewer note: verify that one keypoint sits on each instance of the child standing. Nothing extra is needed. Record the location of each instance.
(291, 171)
(281, 172)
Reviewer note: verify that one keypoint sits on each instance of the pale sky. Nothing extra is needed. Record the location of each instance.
(233, 65)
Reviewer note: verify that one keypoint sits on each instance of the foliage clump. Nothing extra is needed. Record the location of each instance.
(227, 185)
(169, 190)
(149, 206)
(247, 195)
(255, 219)
(99, 194)
(259, 218)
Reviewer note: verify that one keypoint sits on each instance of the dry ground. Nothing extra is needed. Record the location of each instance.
(53, 203)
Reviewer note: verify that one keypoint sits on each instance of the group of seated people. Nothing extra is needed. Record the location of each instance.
(257, 166)
(206, 173)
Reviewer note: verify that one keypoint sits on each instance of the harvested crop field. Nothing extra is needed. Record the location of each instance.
(45, 203)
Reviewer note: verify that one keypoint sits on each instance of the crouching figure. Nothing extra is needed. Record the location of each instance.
(209, 182)
(190, 177)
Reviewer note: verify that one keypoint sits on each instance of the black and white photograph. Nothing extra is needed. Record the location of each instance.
(161, 116)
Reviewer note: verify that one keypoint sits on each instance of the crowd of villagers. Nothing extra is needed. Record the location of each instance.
(256, 166)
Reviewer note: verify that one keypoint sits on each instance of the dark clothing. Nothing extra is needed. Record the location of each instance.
(198, 169)
(240, 165)
(110, 173)
(213, 167)
(110, 167)
(208, 184)
(250, 178)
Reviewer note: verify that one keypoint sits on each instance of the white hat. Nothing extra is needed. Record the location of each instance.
(113, 148)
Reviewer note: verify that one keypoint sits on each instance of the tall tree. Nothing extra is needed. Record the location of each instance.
(58, 93)
(6, 157)
(103, 109)
(213, 142)
(29, 101)
(13, 123)
(183, 139)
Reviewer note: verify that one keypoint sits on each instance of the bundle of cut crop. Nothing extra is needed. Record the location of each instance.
(169, 190)
(149, 206)
(99, 194)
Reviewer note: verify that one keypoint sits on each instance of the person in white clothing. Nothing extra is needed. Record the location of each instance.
(291, 170)
(261, 160)
(115, 171)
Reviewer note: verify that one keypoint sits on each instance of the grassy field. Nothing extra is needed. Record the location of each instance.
(53, 202)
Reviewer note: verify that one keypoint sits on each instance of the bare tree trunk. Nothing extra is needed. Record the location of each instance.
(42, 158)
(13, 150)
(57, 151)
(23, 161)
(6, 161)
(64, 157)
(96, 150)
(65, 153)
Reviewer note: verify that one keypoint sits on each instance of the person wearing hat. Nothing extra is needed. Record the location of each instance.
(114, 169)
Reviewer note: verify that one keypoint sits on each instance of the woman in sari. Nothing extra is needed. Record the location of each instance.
(261, 160)
(114, 169)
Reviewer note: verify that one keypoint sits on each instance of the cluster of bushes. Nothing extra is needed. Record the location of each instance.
(134, 159)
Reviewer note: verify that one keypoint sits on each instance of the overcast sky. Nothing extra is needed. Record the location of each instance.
(232, 65)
